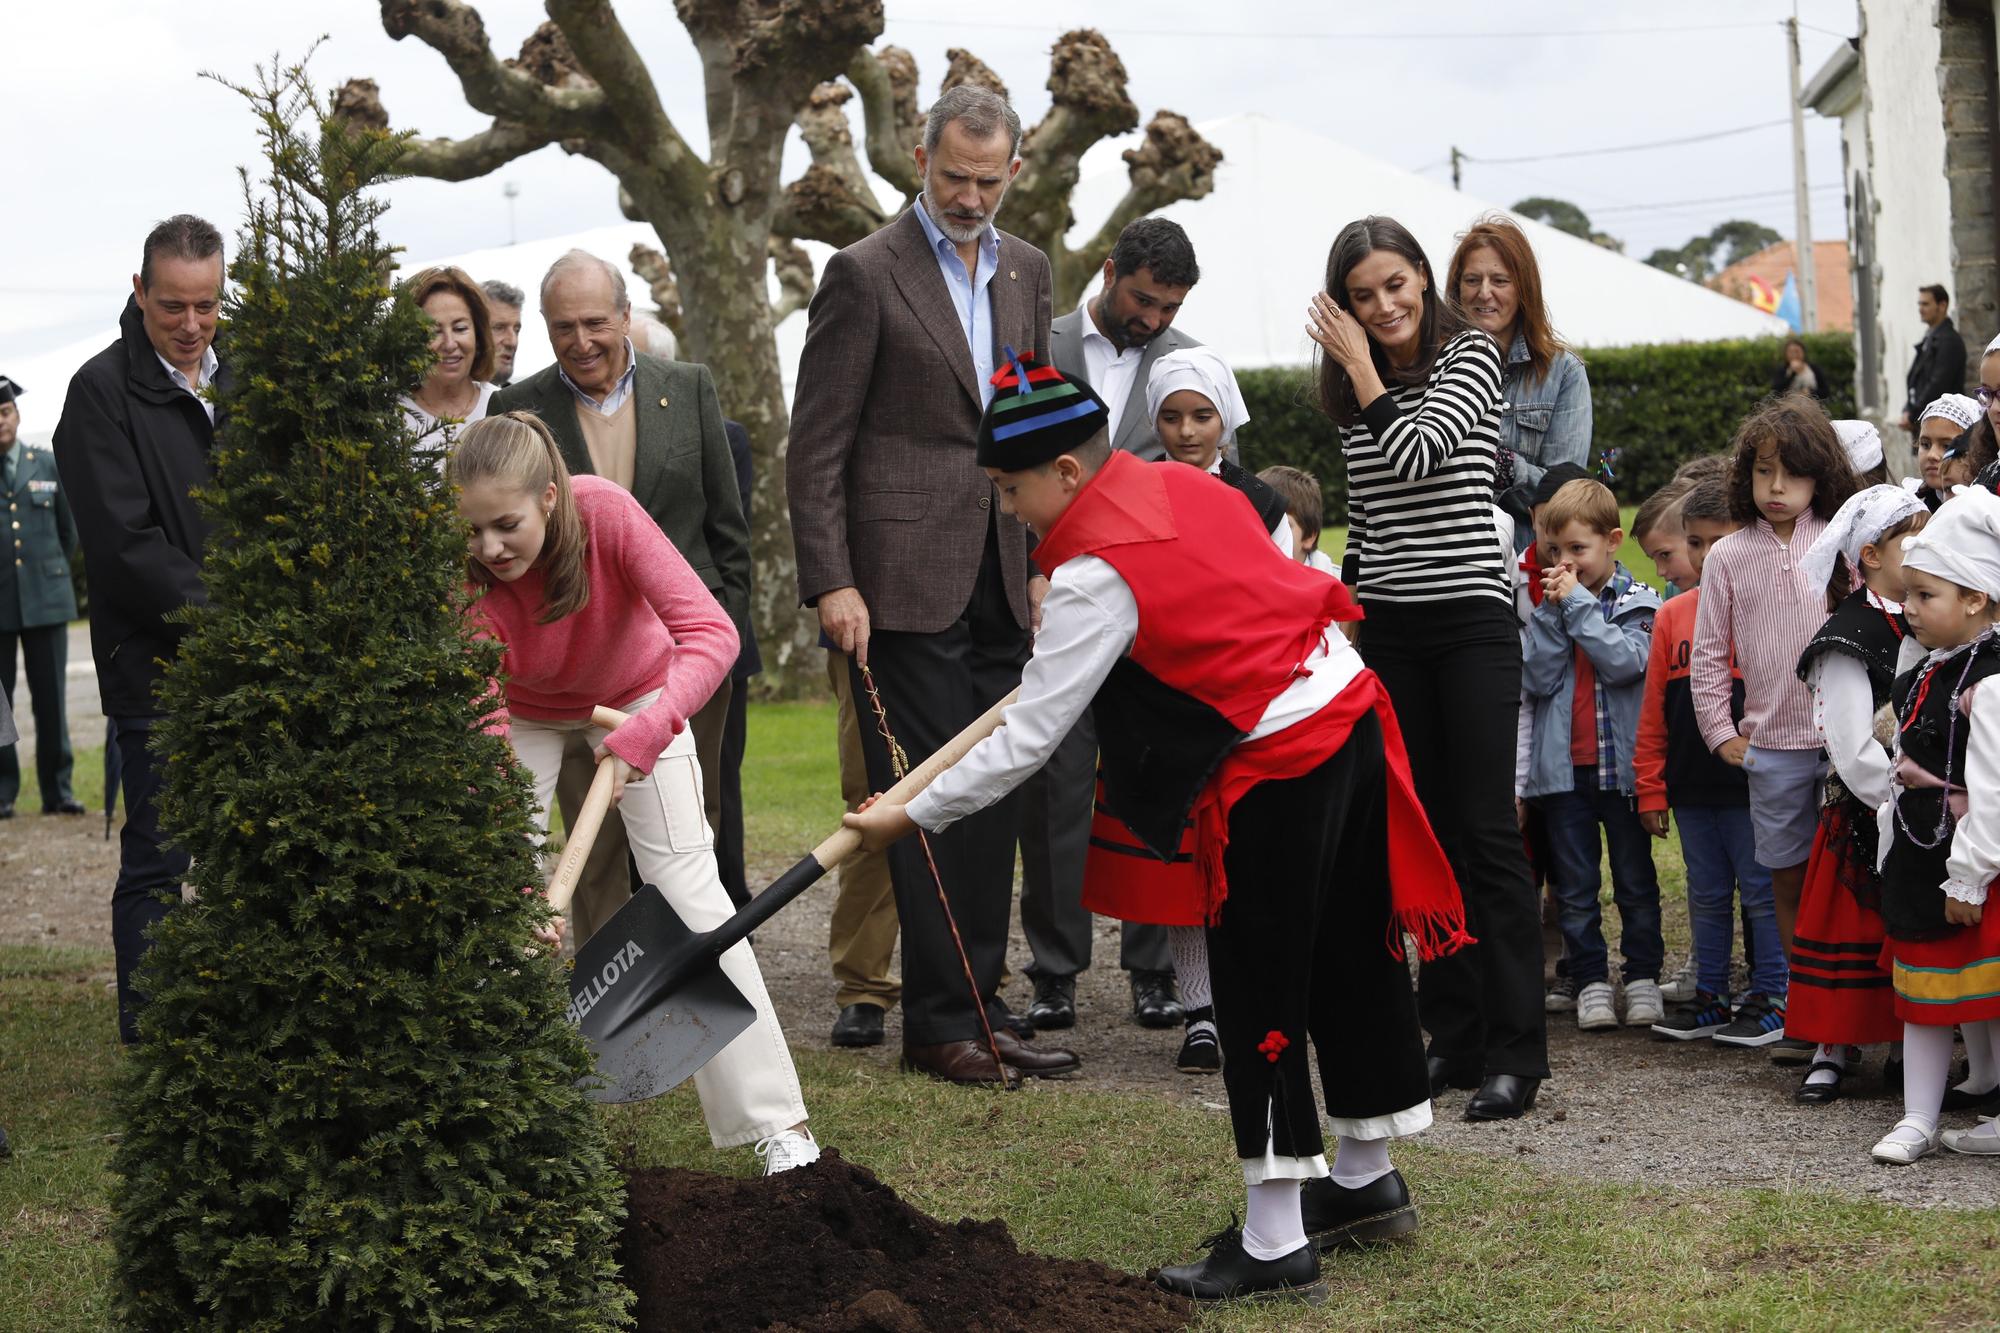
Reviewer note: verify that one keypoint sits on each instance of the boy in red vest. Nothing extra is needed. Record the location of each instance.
(1223, 691)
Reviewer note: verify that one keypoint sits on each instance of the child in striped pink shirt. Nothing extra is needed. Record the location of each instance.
(1788, 474)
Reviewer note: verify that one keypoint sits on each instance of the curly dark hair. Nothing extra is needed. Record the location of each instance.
(1159, 246)
(1798, 431)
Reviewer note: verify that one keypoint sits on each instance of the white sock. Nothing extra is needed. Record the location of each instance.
(1272, 1225)
(1926, 1070)
(1836, 1055)
(1982, 1069)
(1358, 1162)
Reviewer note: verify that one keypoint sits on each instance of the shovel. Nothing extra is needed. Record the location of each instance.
(650, 994)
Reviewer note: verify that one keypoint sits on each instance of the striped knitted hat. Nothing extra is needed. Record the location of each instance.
(1036, 415)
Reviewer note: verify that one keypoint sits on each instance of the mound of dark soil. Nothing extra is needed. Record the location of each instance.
(828, 1248)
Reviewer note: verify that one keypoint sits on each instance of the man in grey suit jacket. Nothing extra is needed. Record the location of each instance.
(917, 575)
(1110, 341)
(656, 428)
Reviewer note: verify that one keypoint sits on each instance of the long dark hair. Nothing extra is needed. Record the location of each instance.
(1797, 431)
(1441, 318)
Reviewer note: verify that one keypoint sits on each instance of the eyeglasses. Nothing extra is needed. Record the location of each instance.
(1985, 395)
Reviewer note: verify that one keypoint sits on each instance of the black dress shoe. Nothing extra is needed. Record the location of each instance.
(1018, 1024)
(1055, 1003)
(1228, 1273)
(1337, 1217)
(858, 1025)
(1892, 1082)
(65, 807)
(1444, 1074)
(1032, 1060)
(1154, 1002)
(1986, 1103)
(1810, 1093)
(1502, 1097)
(6, 809)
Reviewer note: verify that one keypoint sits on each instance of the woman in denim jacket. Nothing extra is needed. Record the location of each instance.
(1545, 417)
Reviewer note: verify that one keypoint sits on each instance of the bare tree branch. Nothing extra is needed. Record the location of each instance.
(795, 279)
(651, 265)
(1174, 163)
(824, 126)
(605, 53)
(966, 67)
(455, 31)
(887, 82)
(1089, 102)
(359, 102)
(819, 206)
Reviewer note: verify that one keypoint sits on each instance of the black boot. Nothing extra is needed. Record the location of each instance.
(1228, 1273)
(1337, 1217)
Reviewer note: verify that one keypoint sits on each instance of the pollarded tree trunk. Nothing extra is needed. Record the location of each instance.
(723, 221)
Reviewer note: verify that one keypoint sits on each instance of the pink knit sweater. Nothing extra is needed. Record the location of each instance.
(650, 625)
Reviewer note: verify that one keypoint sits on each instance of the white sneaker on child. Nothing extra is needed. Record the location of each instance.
(1644, 1005)
(1909, 1140)
(786, 1150)
(1594, 1011)
(1680, 989)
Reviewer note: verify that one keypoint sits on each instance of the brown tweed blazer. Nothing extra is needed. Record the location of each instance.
(885, 496)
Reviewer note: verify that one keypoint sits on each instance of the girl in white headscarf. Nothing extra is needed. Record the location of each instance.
(1196, 409)
(1944, 420)
(1942, 819)
(1839, 995)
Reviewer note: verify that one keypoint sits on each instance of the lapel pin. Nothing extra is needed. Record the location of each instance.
(663, 402)
(1012, 275)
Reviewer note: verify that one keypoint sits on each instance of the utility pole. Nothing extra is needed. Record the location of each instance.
(1456, 158)
(513, 192)
(1802, 246)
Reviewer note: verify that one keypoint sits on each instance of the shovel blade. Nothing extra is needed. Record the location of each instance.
(664, 1046)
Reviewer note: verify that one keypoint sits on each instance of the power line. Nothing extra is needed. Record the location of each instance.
(1119, 30)
(1630, 147)
(1711, 199)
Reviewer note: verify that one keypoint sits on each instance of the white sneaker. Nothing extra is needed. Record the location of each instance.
(1904, 1144)
(1593, 1007)
(1644, 1004)
(1982, 1141)
(787, 1149)
(1679, 990)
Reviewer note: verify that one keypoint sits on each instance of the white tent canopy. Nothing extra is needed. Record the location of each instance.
(1281, 194)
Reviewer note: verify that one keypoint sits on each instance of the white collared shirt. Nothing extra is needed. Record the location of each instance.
(209, 365)
(1107, 369)
(620, 391)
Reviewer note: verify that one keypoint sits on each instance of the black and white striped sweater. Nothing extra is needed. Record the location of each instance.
(1420, 465)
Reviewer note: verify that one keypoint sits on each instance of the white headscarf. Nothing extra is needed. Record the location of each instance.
(1864, 518)
(1203, 370)
(1957, 408)
(1991, 347)
(1961, 542)
(1863, 444)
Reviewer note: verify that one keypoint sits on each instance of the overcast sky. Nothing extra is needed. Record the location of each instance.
(109, 126)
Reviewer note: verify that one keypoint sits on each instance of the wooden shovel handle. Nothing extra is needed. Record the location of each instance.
(846, 841)
(576, 847)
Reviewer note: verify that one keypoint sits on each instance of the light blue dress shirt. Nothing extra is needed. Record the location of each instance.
(620, 391)
(971, 294)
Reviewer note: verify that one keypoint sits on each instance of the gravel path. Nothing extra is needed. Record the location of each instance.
(1621, 1105)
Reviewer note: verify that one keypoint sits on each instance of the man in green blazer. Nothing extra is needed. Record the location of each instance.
(654, 427)
(37, 602)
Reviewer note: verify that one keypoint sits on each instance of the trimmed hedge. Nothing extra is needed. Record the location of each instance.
(1657, 406)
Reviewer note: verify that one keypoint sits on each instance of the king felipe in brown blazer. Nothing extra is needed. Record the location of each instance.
(886, 499)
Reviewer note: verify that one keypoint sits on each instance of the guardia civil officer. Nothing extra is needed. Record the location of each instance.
(36, 605)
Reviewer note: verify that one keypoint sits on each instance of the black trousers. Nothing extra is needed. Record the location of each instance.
(1453, 671)
(44, 651)
(933, 686)
(1056, 806)
(729, 837)
(149, 872)
(1301, 950)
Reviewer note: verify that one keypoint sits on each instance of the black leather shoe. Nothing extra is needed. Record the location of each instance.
(1154, 1002)
(1444, 1074)
(1809, 1093)
(858, 1025)
(1502, 1097)
(1986, 1103)
(1892, 1082)
(69, 807)
(6, 809)
(1055, 1003)
(1018, 1024)
(1228, 1273)
(1340, 1218)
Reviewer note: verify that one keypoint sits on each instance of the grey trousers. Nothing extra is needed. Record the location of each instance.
(1055, 837)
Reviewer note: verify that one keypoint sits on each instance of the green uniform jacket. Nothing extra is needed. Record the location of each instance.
(35, 545)
(682, 473)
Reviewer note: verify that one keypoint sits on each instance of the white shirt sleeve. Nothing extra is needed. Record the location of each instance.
(1844, 712)
(1975, 846)
(1089, 620)
(1281, 533)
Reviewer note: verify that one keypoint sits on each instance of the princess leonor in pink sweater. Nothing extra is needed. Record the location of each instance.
(595, 606)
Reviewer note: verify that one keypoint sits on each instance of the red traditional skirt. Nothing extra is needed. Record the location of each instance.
(1123, 879)
(1951, 980)
(1840, 993)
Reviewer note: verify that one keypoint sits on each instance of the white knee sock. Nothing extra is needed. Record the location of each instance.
(1189, 946)
(1834, 1055)
(1926, 1070)
(1982, 1066)
(1358, 1162)
(1272, 1224)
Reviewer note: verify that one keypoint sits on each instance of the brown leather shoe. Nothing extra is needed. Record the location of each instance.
(958, 1062)
(1032, 1060)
